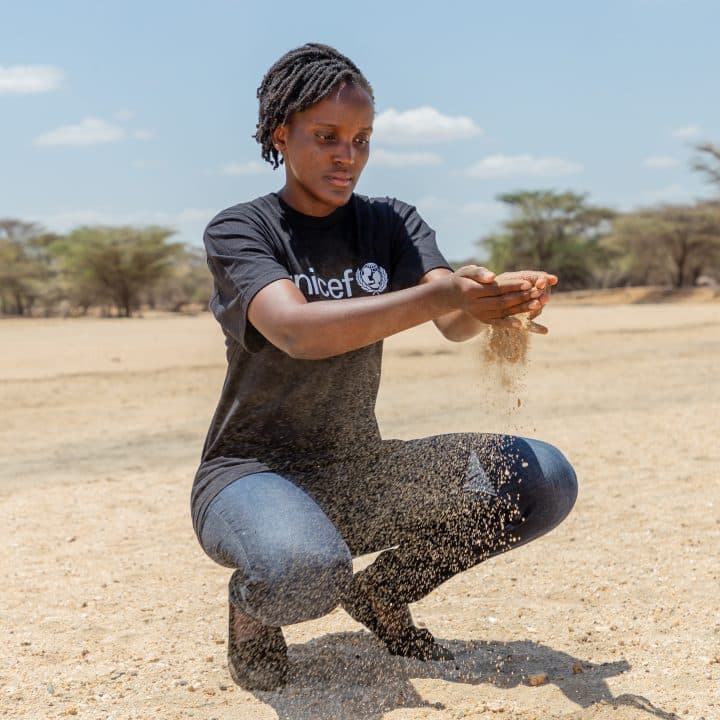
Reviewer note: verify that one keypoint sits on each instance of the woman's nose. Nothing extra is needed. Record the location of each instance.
(344, 154)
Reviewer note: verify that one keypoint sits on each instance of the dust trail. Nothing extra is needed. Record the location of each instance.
(505, 351)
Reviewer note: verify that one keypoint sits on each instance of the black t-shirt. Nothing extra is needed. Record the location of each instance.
(277, 412)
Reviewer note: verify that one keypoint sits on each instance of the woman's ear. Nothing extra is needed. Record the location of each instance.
(279, 137)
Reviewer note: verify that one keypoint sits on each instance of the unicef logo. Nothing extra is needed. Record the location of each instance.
(372, 278)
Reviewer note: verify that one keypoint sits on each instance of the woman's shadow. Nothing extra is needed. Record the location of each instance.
(350, 675)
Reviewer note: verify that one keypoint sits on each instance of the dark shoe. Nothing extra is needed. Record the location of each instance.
(418, 643)
(257, 654)
(392, 625)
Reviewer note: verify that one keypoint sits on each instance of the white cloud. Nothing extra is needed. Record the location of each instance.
(659, 162)
(29, 79)
(251, 167)
(687, 132)
(90, 131)
(387, 158)
(512, 166)
(143, 134)
(422, 125)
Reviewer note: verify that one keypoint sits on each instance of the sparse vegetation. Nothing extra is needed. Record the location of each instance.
(120, 270)
(115, 270)
(595, 247)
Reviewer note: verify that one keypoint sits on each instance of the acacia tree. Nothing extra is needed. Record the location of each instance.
(669, 243)
(558, 232)
(25, 265)
(188, 282)
(116, 264)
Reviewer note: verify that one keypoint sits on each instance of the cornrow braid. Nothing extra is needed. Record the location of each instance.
(296, 81)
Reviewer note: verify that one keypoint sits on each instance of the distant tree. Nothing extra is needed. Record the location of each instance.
(668, 243)
(26, 270)
(557, 232)
(115, 264)
(709, 162)
(188, 283)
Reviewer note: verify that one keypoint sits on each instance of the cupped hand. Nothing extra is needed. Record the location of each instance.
(538, 278)
(541, 281)
(492, 298)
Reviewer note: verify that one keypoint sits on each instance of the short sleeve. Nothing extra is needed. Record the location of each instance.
(415, 250)
(242, 260)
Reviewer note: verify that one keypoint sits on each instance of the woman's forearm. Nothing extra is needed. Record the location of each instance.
(459, 325)
(326, 328)
(331, 327)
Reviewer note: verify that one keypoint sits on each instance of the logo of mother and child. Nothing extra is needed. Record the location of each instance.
(371, 277)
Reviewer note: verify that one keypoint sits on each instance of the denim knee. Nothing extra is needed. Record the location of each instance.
(292, 563)
(550, 489)
(296, 586)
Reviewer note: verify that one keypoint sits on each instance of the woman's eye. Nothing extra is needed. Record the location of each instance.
(362, 140)
(325, 137)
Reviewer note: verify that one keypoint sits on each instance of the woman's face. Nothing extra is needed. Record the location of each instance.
(325, 149)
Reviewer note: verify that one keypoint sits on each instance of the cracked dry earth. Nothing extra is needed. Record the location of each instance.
(109, 609)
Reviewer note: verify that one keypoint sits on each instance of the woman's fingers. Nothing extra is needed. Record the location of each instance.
(517, 293)
(499, 307)
(514, 303)
(505, 296)
(534, 327)
(477, 273)
(485, 282)
(501, 288)
(538, 278)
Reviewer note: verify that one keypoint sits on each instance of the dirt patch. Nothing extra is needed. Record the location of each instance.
(110, 608)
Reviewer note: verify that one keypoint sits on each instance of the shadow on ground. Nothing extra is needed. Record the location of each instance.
(349, 675)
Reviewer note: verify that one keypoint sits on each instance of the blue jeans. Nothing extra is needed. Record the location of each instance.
(435, 507)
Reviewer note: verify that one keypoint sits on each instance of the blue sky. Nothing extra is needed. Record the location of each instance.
(143, 113)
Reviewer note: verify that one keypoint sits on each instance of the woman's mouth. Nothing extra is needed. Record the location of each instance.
(341, 181)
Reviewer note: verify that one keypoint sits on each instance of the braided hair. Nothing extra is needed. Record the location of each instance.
(296, 81)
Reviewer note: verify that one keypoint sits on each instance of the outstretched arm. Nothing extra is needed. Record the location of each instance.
(326, 328)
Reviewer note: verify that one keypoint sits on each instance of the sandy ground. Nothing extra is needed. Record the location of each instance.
(109, 609)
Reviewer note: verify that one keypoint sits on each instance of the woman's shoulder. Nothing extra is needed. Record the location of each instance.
(390, 208)
(264, 207)
(382, 203)
(252, 223)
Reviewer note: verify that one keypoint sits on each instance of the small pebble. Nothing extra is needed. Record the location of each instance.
(537, 679)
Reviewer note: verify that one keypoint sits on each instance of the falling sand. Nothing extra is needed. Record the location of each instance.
(506, 349)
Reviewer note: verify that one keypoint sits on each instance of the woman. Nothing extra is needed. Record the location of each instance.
(295, 479)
